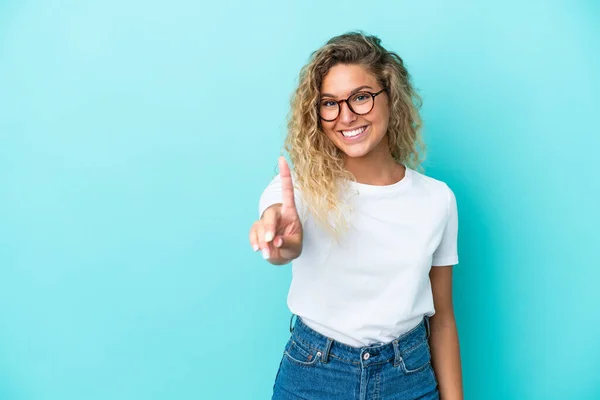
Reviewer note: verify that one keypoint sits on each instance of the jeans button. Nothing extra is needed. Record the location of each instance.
(366, 356)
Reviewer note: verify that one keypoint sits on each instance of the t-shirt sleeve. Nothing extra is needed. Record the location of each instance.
(272, 195)
(447, 251)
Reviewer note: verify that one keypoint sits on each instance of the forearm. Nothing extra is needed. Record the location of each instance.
(445, 356)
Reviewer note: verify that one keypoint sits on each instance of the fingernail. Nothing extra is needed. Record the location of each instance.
(255, 247)
(269, 236)
(265, 254)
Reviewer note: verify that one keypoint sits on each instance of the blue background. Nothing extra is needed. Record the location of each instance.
(136, 138)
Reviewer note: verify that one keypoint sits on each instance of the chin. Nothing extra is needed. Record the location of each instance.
(355, 151)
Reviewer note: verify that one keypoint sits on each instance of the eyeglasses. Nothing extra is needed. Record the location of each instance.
(359, 103)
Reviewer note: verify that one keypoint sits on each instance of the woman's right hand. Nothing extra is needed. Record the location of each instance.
(278, 233)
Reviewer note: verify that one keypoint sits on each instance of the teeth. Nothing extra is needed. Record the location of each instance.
(354, 132)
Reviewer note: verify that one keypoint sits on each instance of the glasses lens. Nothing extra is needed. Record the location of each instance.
(361, 102)
(328, 109)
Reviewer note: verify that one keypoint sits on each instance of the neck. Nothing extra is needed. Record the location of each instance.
(376, 168)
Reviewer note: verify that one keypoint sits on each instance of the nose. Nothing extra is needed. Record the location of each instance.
(346, 115)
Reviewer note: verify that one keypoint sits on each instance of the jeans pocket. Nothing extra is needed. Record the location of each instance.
(300, 354)
(416, 359)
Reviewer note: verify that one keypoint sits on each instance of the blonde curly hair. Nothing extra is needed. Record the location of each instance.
(318, 164)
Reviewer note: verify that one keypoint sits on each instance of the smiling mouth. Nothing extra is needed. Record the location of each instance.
(353, 132)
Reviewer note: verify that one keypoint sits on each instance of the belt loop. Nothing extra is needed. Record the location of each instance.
(427, 327)
(397, 356)
(325, 355)
(291, 326)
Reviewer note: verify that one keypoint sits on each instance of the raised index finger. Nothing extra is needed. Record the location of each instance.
(287, 187)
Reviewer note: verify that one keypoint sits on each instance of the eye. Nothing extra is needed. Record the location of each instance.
(360, 97)
(328, 103)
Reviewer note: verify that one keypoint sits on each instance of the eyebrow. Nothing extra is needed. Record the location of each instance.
(351, 93)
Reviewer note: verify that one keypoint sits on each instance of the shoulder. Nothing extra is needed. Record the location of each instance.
(439, 194)
(430, 184)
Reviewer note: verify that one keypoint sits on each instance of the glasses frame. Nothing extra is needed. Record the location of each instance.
(339, 106)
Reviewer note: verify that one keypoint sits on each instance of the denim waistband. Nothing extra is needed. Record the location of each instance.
(366, 355)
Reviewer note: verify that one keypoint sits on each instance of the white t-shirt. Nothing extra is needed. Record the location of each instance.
(374, 285)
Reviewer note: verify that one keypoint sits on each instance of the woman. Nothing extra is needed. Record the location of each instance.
(372, 241)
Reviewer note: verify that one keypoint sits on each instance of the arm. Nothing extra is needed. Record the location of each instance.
(445, 350)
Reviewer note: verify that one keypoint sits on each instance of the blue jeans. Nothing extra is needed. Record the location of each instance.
(316, 367)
